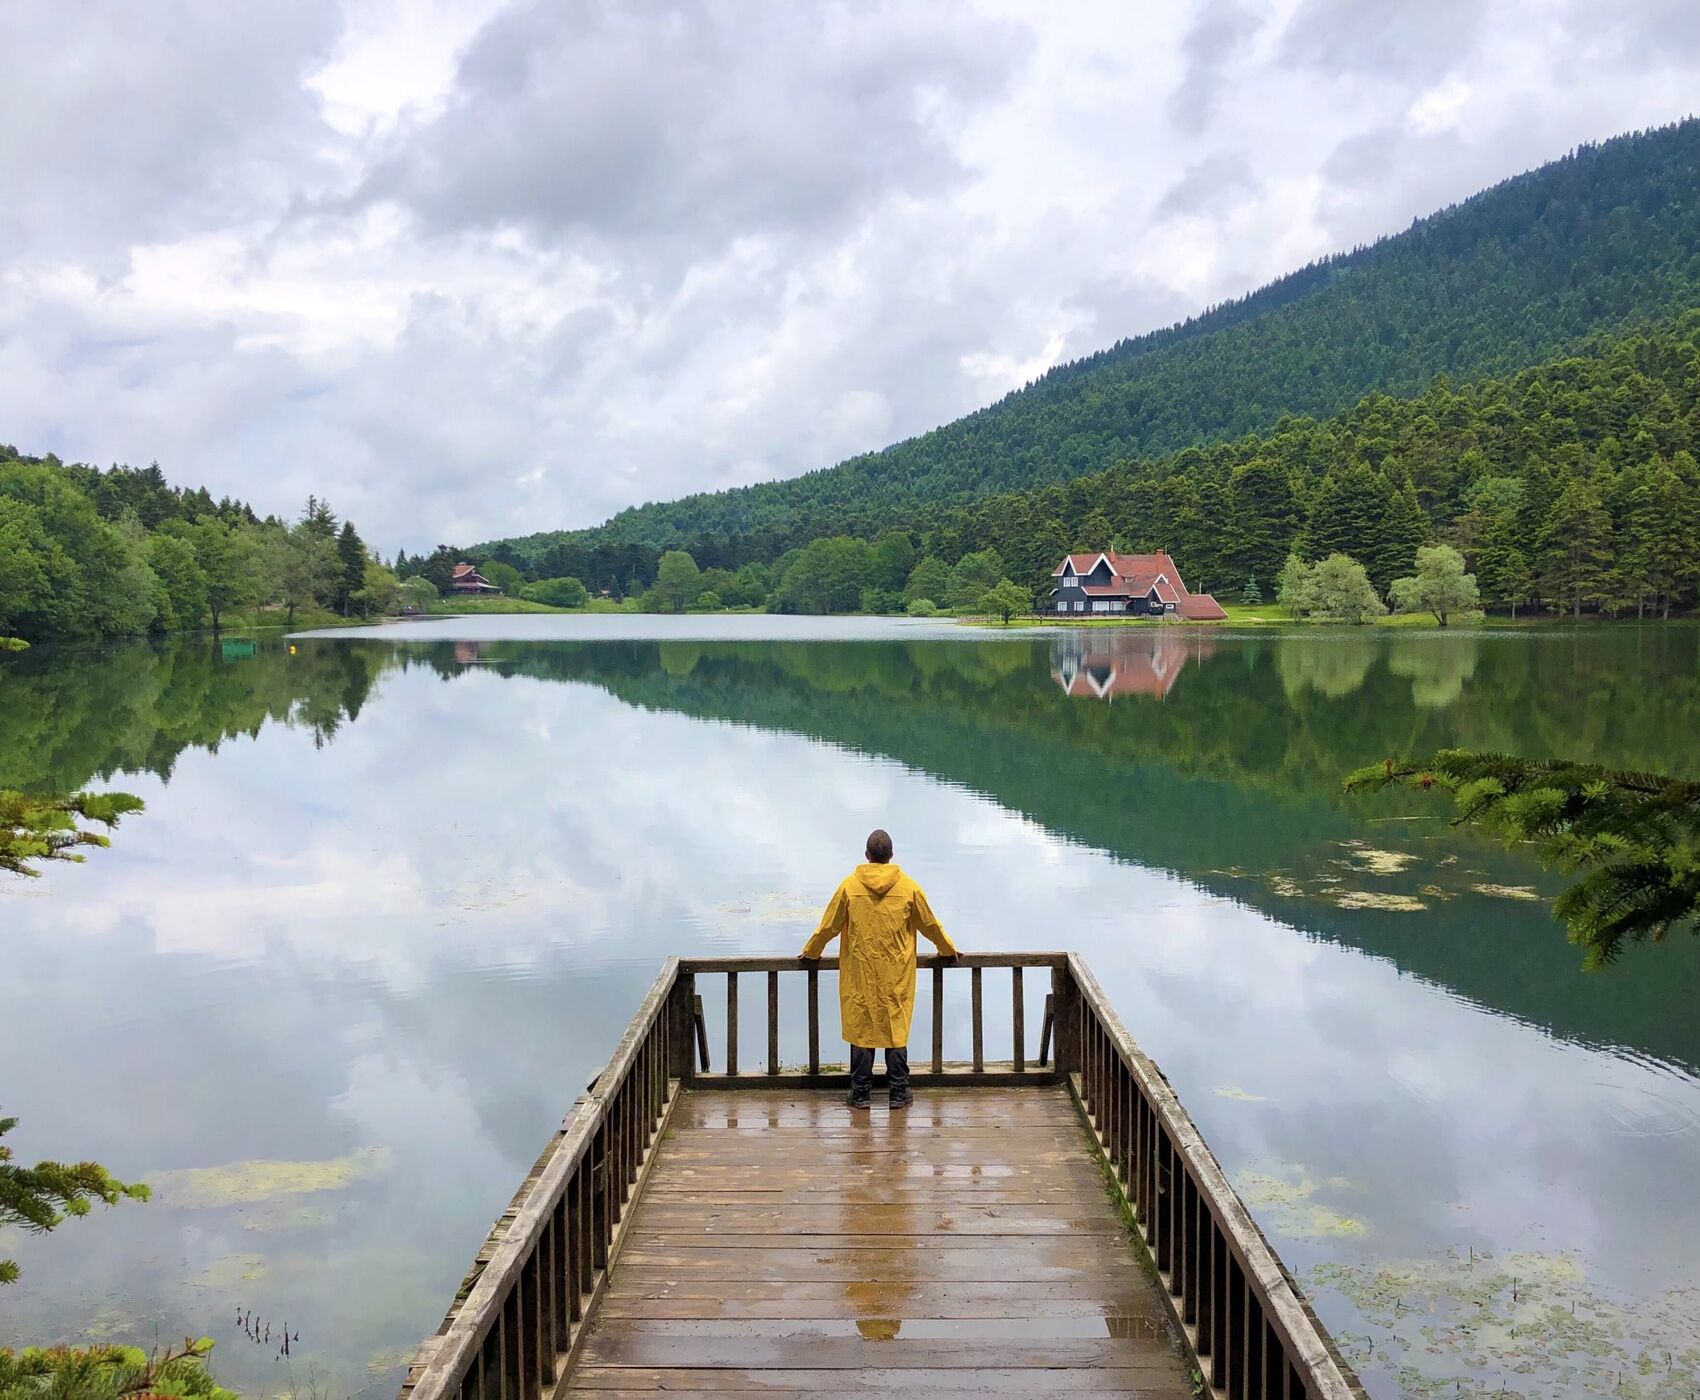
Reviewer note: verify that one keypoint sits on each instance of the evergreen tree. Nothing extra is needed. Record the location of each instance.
(1251, 594)
(1346, 514)
(1403, 531)
(1574, 547)
(351, 577)
(1263, 518)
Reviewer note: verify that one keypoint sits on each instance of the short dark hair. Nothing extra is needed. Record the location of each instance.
(879, 846)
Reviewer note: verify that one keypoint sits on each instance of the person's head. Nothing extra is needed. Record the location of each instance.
(879, 847)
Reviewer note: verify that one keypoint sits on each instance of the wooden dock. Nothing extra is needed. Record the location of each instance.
(696, 1233)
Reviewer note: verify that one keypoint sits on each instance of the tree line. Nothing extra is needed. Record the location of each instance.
(86, 552)
(1512, 277)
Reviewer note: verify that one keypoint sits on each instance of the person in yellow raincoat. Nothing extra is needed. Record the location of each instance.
(877, 911)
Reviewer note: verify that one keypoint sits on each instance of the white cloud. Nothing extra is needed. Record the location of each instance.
(475, 267)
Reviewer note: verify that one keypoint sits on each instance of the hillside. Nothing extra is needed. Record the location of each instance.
(1607, 235)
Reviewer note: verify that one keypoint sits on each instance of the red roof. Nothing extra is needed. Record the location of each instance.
(462, 570)
(1125, 564)
(1200, 607)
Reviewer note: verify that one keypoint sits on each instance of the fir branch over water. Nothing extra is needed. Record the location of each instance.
(1634, 836)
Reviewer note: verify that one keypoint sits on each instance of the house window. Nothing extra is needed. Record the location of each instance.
(1080, 607)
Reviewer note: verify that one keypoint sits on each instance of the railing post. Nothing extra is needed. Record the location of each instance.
(814, 1019)
(979, 1025)
(702, 1033)
(1065, 1022)
(938, 1019)
(773, 1025)
(731, 1023)
(681, 1008)
(1018, 1019)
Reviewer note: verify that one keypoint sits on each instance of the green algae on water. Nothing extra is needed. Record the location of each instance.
(242, 1183)
(1518, 1324)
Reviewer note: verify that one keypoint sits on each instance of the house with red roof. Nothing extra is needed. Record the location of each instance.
(1139, 585)
(468, 580)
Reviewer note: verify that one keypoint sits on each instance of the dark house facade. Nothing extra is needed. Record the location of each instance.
(1142, 585)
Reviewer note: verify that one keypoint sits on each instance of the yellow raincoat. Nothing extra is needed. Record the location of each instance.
(878, 910)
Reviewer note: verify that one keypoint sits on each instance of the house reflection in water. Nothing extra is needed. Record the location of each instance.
(1101, 665)
(468, 652)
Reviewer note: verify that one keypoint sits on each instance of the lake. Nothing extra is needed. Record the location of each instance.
(396, 892)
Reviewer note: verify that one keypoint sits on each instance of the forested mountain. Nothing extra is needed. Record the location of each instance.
(1572, 484)
(1513, 276)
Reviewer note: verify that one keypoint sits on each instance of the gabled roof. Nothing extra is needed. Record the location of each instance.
(462, 570)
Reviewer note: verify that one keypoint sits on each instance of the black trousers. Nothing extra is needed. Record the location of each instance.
(862, 1070)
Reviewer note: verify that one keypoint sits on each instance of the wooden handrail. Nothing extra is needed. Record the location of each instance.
(546, 1262)
(1194, 1222)
(1013, 1070)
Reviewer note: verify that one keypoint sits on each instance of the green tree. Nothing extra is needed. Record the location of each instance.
(1402, 532)
(921, 607)
(1005, 599)
(305, 567)
(379, 590)
(1346, 513)
(1263, 518)
(1574, 546)
(929, 579)
(350, 577)
(1250, 594)
(971, 578)
(707, 601)
(677, 582)
(1338, 590)
(181, 592)
(227, 556)
(826, 576)
(417, 593)
(1292, 585)
(504, 576)
(1439, 586)
(894, 557)
(557, 592)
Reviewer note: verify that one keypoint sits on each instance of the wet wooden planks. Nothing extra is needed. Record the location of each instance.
(787, 1246)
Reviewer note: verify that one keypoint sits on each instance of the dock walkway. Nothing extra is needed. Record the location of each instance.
(788, 1246)
(689, 1231)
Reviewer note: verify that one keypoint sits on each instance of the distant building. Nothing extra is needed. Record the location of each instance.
(468, 580)
(1102, 663)
(1145, 585)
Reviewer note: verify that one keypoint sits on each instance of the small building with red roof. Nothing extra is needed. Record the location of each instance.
(468, 580)
(1139, 585)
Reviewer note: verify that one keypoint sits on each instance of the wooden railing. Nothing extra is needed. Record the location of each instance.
(518, 1321)
(1254, 1336)
(1015, 1067)
(519, 1317)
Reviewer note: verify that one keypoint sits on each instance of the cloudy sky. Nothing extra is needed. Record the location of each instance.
(480, 267)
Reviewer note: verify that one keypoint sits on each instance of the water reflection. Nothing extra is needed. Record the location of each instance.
(391, 903)
(1104, 664)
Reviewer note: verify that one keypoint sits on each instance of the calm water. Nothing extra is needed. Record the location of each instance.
(395, 895)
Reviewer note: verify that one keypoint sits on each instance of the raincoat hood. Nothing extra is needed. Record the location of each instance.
(878, 878)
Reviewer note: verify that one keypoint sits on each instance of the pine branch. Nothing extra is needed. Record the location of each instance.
(1636, 835)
